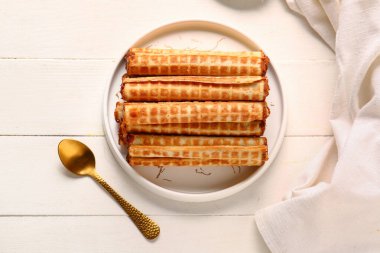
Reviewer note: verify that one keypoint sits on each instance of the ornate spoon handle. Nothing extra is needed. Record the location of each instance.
(146, 226)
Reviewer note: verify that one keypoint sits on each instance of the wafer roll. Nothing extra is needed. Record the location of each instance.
(119, 112)
(167, 161)
(255, 128)
(161, 62)
(194, 88)
(191, 112)
(201, 152)
(170, 140)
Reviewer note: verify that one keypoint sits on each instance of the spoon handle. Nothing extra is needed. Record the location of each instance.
(146, 226)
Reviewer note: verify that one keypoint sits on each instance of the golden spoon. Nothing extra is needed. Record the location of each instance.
(79, 159)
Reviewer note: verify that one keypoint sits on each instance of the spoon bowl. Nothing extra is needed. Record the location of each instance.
(76, 157)
(79, 159)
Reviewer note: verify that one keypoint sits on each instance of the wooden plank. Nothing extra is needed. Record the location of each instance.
(118, 234)
(64, 97)
(35, 183)
(50, 97)
(55, 29)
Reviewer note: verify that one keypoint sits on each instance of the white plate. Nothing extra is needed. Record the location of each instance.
(195, 184)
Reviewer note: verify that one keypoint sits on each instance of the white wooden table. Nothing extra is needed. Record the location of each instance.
(55, 59)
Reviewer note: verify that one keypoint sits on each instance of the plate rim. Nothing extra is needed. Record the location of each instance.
(172, 194)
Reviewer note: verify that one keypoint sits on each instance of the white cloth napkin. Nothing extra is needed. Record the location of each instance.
(336, 208)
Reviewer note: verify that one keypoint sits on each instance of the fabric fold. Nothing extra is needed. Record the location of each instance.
(336, 206)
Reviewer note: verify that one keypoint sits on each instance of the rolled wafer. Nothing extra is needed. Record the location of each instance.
(174, 62)
(194, 88)
(255, 128)
(201, 152)
(191, 112)
(167, 161)
(119, 112)
(170, 140)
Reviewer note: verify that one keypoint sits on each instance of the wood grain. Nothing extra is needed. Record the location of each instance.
(87, 29)
(118, 234)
